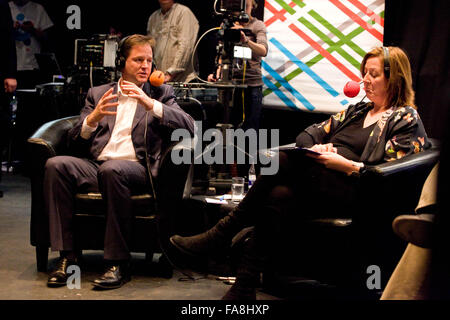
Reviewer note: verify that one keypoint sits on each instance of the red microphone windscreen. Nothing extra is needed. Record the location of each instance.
(157, 78)
(351, 89)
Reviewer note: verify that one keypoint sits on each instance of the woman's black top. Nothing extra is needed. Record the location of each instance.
(351, 140)
(399, 133)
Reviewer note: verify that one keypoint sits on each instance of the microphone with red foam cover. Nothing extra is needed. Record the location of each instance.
(351, 88)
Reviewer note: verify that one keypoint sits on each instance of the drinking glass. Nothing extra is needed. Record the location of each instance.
(237, 189)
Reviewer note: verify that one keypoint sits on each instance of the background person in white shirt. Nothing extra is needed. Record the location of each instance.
(175, 28)
(31, 24)
(120, 125)
(7, 75)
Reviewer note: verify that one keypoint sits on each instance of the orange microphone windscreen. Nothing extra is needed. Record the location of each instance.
(157, 78)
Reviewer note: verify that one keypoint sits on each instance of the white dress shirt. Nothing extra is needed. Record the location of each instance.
(120, 146)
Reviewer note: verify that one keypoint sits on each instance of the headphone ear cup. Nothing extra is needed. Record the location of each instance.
(118, 62)
(387, 66)
(121, 63)
(120, 59)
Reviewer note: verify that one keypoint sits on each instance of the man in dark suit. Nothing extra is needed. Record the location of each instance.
(120, 126)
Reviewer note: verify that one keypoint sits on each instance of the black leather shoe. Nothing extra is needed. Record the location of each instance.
(58, 277)
(114, 277)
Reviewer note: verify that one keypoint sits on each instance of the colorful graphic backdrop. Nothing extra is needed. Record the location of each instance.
(315, 47)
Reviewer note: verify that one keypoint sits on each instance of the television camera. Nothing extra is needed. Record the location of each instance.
(231, 11)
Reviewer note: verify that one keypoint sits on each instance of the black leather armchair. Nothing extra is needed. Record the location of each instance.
(173, 185)
(335, 249)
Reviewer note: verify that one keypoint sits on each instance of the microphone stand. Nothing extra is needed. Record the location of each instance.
(221, 178)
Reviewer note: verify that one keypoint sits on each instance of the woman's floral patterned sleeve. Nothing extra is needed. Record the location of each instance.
(408, 135)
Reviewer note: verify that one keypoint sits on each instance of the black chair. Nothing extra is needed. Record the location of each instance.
(335, 250)
(173, 185)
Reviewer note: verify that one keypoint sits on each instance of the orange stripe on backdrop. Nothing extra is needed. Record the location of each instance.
(368, 12)
(324, 53)
(276, 14)
(358, 20)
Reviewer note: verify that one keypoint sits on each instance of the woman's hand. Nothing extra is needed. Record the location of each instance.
(334, 161)
(133, 91)
(328, 147)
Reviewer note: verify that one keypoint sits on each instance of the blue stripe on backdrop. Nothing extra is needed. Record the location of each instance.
(305, 68)
(286, 84)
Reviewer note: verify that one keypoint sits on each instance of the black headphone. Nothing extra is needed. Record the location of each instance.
(120, 56)
(387, 66)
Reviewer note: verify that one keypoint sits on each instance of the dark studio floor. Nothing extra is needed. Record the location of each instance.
(21, 281)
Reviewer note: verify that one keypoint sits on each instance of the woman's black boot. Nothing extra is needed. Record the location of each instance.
(247, 273)
(217, 238)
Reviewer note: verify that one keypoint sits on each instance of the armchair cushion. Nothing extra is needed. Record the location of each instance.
(92, 203)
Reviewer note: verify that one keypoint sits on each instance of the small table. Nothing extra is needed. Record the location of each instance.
(214, 211)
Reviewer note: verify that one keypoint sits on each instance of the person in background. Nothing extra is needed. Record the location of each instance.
(174, 28)
(8, 66)
(246, 113)
(31, 24)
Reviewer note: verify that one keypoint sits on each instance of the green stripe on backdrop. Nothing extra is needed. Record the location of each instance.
(285, 6)
(344, 40)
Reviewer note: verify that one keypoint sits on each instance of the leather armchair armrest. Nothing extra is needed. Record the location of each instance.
(398, 183)
(50, 139)
(423, 159)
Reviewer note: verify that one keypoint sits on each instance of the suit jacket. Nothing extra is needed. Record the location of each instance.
(399, 132)
(158, 130)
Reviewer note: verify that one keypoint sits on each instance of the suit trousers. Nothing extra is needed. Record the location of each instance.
(116, 180)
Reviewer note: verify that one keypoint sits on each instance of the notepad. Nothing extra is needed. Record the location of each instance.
(299, 149)
(216, 201)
